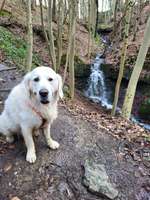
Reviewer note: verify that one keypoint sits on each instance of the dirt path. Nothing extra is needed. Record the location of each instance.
(57, 175)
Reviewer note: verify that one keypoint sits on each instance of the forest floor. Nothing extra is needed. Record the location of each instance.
(84, 131)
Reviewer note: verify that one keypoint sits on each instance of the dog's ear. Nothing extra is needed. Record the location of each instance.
(60, 85)
(26, 80)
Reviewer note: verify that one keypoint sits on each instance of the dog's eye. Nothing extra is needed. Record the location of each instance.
(36, 79)
(50, 79)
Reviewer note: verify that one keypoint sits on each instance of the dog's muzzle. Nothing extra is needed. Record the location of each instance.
(44, 96)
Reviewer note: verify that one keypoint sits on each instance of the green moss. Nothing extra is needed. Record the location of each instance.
(15, 48)
(99, 41)
(144, 109)
(76, 59)
(104, 27)
(81, 69)
(5, 13)
(147, 64)
(63, 59)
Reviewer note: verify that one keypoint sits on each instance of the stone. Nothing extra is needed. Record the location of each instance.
(82, 70)
(97, 180)
(144, 109)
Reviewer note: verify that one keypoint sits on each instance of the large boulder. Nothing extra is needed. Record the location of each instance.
(97, 180)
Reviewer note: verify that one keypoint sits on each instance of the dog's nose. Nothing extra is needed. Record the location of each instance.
(43, 93)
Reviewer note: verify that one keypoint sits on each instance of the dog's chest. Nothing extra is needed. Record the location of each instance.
(42, 120)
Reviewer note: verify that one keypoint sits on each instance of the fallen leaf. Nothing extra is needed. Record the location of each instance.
(7, 167)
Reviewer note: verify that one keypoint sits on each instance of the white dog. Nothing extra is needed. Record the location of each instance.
(32, 105)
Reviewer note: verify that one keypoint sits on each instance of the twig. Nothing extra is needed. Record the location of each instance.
(7, 69)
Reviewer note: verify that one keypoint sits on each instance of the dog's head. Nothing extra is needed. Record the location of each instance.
(44, 84)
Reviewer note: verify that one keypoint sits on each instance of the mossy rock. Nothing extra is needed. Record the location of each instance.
(82, 70)
(104, 28)
(144, 110)
(109, 71)
(112, 73)
(146, 65)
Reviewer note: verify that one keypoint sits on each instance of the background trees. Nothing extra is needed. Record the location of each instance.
(129, 97)
(29, 36)
(127, 18)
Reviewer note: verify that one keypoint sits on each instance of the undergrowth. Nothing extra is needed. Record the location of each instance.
(14, 48)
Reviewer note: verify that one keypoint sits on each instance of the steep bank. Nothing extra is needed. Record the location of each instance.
(112, 61)
(13, 18)
(113, 55)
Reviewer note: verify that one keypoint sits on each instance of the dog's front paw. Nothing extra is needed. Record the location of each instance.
(53, 144)
(31, 157)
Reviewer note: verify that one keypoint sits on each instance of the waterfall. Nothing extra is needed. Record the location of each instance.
(99, 92)
(97, 89)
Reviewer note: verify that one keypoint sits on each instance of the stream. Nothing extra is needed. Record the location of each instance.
(101, 90)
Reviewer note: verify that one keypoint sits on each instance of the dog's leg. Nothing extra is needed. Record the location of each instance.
(36, 132)
(50, 142)
(27, 135)
(4, 129)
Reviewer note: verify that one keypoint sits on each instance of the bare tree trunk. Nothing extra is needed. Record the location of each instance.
(29, 37)
(68, 49)
(91, 24)
(54, 10)
(50, 32)
(73, 16)
(2, 5)
(71, 46)
(115, 18)
(123, 55)
(89, 27)
(97, 17)
(130, 93)
(33, 4)
(43, 27)
(60, 31)
(137, 18)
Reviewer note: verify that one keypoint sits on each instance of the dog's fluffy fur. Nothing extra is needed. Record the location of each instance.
(24, 103)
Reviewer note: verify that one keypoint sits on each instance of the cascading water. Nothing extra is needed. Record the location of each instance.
(97, 89)
(100, 93)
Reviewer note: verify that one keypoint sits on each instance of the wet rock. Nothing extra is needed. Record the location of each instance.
(144, 110)
(104, 28)
(82, 70)
(97, 180)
